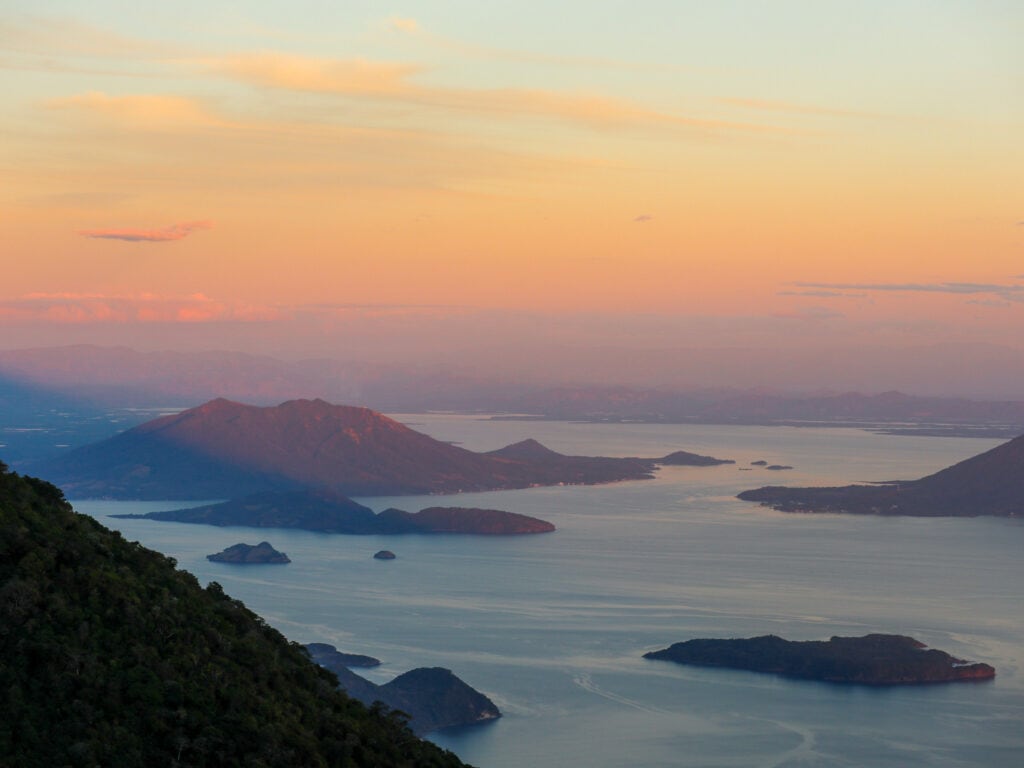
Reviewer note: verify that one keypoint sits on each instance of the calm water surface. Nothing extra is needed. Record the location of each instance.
(553, 627)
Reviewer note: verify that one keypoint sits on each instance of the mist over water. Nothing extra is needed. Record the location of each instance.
(553, 627)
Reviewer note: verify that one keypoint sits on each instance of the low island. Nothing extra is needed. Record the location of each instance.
(874, 659)
(247, 554)
(326, 511)
(687, 459)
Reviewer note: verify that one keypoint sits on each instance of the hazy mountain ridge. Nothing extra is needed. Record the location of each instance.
(226, 449)
(122, 376)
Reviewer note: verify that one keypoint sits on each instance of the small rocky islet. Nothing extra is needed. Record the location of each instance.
(248, 554)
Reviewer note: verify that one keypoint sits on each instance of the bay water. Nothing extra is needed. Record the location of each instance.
(553, 627)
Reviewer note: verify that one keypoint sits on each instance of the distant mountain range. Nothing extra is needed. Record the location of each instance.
(118, 376)
(991, 483)
(227, 449)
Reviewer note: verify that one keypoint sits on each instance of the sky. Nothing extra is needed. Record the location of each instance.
(435, 178)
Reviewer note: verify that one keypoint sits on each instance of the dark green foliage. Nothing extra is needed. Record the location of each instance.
(112, 657)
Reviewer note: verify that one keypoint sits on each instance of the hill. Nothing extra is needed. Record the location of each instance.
(433, 697)
(224, 449)
(991, 483)
(113, 657)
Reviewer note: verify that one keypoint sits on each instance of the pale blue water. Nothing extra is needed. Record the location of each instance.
(553, 627)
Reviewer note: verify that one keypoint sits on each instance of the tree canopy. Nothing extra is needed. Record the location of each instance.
(113, 657)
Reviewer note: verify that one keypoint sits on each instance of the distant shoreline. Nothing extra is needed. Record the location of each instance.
(901, 429)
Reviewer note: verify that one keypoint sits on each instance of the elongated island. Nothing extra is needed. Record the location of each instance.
(875, 659)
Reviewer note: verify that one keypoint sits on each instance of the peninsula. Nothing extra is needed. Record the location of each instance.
(433, 697)
(869, 660)
(991, 483)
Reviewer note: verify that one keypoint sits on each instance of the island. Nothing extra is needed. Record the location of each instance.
(228, 450)
(326, 511)
(875, 659)
(247, 554)
(384, 554)
(687, 459)
(432, 697)
(488, 522)
(319, 510)
(991, 483)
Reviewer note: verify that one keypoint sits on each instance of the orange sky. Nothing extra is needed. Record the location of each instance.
(851, 167)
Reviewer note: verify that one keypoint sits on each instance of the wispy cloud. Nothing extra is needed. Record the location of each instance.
(822, 293)
(1007, 291)
(643, 218)
(84, 308)
(160, 235)
(157, 111)
(403, 24)
(395, 82)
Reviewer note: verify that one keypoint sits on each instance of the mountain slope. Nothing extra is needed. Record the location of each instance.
(226, 449)
(112, 657)
(991, 483)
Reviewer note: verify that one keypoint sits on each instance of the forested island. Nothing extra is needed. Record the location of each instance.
(869, 660)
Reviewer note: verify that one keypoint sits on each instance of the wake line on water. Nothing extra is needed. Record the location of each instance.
(800, 752)
(586, 682)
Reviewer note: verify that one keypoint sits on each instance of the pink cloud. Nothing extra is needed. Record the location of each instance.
(76, 309)
(163, 234)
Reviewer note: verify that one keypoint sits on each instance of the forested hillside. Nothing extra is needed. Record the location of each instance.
(112, 657)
